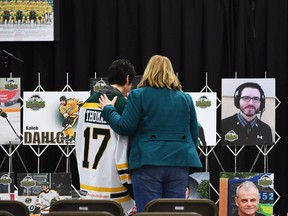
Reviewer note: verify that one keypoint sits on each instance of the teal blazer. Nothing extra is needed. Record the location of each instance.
(162, 126)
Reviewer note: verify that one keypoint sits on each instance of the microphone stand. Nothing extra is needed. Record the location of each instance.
(11, 56)
(5, 56)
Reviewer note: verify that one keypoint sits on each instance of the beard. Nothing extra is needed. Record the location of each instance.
(249, 110)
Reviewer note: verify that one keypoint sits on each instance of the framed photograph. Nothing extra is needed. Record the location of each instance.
(39, 190)
(47, 120)
(229, 181)
(28, 20)
(248, 112)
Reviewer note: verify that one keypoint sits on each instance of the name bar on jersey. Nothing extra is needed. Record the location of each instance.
(94, 116)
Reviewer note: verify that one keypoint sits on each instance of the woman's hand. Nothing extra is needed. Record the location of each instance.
(104, 100)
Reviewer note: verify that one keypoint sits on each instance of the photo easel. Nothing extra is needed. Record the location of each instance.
(262, 149)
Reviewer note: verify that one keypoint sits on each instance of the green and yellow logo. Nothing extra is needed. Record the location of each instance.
(231, 136)
(265, 181)
(203, 102)
(11, 85)
(5, 179)
(28, 200)
(35, 102)
(28, 182)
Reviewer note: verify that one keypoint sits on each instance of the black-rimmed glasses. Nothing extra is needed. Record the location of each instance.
(254, 99)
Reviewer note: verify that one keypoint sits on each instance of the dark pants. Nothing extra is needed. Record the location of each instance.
(152, 182)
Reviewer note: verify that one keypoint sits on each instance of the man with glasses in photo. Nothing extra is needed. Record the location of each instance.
(245, 127)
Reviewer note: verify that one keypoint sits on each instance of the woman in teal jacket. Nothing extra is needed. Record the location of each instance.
(161, 121)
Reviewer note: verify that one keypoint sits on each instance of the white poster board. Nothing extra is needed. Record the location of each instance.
(42, 120)
(205, 105)
(10, 103)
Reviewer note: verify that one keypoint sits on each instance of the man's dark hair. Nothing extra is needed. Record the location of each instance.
(119, 70)
(63, 98)
(238, 94)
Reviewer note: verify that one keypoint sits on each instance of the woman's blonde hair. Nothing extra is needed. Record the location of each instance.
(159, 73)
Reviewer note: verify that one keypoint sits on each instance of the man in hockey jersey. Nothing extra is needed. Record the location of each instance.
(69, 109)
(46, 198)
(101, 153)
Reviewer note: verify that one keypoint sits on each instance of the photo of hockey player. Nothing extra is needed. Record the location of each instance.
(46, 198)
(69, 108)
(38, 191)
(47, 120)
(10, 104)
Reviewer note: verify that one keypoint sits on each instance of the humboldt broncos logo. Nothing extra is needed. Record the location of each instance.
(231, 136)
(265, 181)
(5, 179)
(203, 102)
(35, 102)
(28, 182)
(11, 85)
